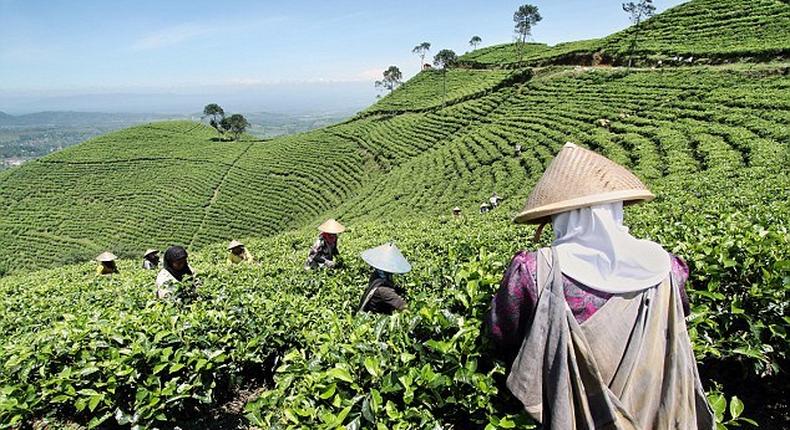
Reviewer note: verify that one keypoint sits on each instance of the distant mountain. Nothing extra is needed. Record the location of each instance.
(71, 119)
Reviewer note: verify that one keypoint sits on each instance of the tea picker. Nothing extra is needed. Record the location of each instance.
(382, 295)
(107, 264)
(151, 259)
(325, 250)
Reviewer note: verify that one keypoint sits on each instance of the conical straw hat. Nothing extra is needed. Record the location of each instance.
(234, 244)
(577, 178)
(387, 257)
(106, 256)
(150, 251)
(331, 226)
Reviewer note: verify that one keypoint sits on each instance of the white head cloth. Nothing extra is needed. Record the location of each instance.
(595, 248)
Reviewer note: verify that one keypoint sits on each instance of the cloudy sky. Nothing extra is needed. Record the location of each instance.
(54, 49)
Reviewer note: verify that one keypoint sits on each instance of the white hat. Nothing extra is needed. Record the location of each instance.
(106, 256)
(331, 226)
(151, 251)
(234, 244)
(387, 257)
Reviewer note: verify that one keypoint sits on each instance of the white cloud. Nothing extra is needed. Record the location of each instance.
(171, 36)
(184, 32)
(370, 74)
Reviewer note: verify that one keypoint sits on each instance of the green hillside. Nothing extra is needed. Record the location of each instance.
(699, 32)
(272, 346)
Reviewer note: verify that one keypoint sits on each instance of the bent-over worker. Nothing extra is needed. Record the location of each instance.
(382, 295)
(237, 253)
(107, 264)
(594, 324)
(324, 251)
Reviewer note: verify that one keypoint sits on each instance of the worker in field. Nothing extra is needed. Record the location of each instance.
(594, 324)
(494, 200)
(107, 264)
(151, 259)
(175, 270)
(485, 208)
(237, 253)
(382, 295)
(324, 252)
(456, 212)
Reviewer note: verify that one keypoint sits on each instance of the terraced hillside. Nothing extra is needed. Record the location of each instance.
(660, 123)
(165, 183)
(699, 32)
(273, 346)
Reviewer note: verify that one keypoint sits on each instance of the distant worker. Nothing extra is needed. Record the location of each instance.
(324, 251)
(106, 264)
(495, 199)
(237, 253)
(382, 296)
(151, 259)
(175, 269)
(456, 212)
(518, 150)
(485, 208)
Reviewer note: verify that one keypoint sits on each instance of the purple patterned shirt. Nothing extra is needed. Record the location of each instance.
(514, 304)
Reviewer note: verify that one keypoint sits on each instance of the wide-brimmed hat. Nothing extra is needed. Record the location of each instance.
(577, 178)
(331, 226)
(234, 244)
(387, 257)
(485, 205)
(150, 251)
(106, 257)
(456, 209)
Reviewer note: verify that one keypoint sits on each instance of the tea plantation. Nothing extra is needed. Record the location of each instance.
(268, 345)
(696, 32)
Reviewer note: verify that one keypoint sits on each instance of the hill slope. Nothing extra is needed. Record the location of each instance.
(710, 141)
(699, 31)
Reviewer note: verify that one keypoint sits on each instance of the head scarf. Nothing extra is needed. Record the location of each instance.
(329, 238)
(596, 249)
(172, 254)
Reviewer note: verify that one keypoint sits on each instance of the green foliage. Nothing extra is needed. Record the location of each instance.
(445, 59)
(392, 78)
(83, 348)
(235, 124)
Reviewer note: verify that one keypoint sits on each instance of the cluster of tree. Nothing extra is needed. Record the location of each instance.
(234, 124)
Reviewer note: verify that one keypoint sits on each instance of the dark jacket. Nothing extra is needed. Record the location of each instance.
(381, 296)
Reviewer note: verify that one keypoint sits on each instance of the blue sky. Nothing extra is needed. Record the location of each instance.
(69, 47)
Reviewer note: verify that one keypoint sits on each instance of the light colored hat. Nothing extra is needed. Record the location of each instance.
(484, 205)
(331, 226)
(151, 251)
(456, 209)
(577, 178)
(106, 256)
(234, 244)
(387, 257)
